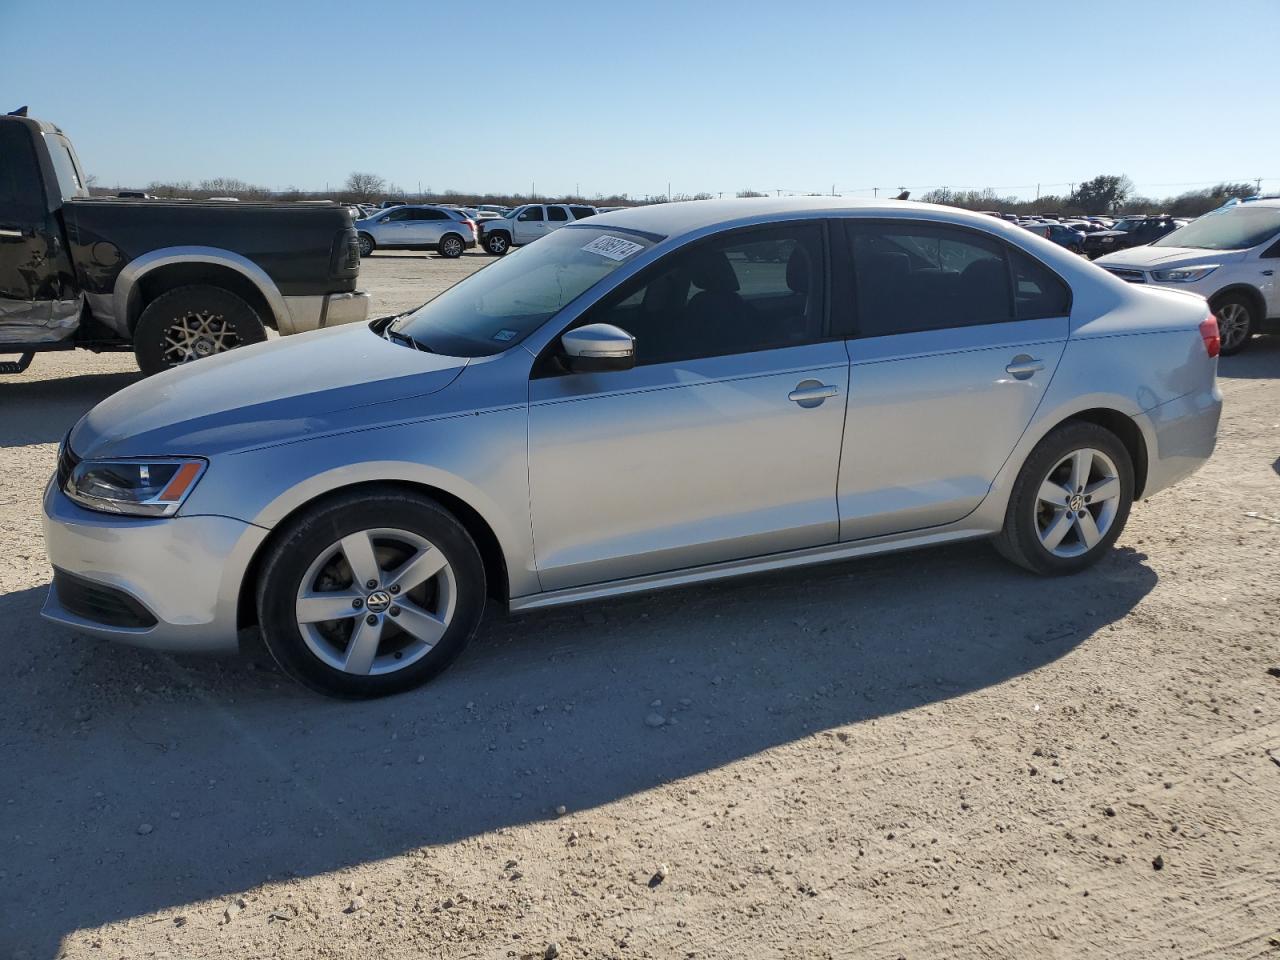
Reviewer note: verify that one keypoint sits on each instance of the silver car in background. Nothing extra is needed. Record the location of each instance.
(649, 398)
(413, 227)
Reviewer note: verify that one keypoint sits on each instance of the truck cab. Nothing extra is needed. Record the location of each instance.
(173, 281)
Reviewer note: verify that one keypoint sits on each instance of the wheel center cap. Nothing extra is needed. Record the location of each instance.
(378, 601)
(204, 347)
(1077, 503)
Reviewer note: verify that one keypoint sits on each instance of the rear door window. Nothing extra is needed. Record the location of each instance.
(581, 213)
(558, 214)
(916, 276)
(1038, 291)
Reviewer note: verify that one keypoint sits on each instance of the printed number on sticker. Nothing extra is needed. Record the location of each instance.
(615, 248)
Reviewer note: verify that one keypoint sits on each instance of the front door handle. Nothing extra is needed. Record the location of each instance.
(811, 393)
(1023, 366)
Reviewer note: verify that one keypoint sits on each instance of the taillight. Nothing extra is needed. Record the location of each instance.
(1209, 334)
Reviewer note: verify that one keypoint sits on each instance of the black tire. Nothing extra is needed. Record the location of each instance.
(1019, 540)
(1240, 338)
(306, 538)
(451, 246)
(229, 321)
(367, 244)
(497, 242)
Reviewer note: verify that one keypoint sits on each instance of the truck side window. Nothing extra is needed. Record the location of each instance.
(64, 167)
(532, 213)
(557, 213)
(21, 192)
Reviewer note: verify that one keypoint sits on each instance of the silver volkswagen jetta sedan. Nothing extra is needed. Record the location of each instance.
(652, 397)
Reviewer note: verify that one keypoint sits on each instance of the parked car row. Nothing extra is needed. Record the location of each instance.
(451, 230)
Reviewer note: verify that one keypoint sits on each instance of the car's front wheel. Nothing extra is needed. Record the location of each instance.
(371, 593)
(1235, 322)
(497, 243)
(1070, 501)
(366, 244)
(451, 246)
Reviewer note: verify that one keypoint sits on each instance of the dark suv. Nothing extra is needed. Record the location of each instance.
(1129, 232)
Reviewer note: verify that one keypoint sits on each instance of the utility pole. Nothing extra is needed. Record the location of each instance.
(668, 191)
(1037, 193)
(576, 191)
(875, 193)
(833, 189)
(533, 190)
(1259, 183)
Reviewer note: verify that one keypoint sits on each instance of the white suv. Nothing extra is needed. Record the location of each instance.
(1229, 256)
(527, 223)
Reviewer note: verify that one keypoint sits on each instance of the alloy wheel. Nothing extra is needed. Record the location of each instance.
(376, 601)
(497, 244)
(1233, 324)
(197, 334)
(366, 246)
(1077, 503)
(452, 247)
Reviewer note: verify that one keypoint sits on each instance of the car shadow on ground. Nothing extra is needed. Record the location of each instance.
(61, 401)
(240, 776)
(1260, 361)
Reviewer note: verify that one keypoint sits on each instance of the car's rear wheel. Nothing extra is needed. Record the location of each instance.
(1236, 322)
(1070, 501)
(366, 244)
(372, 593)
(497, 243)
(451, 246)
(191, 323)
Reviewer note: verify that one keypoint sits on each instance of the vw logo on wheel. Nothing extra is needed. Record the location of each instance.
(378, 601)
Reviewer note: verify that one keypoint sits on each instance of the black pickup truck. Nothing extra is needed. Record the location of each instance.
(173, 281)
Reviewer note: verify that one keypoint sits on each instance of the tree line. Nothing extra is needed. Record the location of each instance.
(1104, 194)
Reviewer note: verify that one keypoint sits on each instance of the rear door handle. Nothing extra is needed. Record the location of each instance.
(811, 393)
(1023, 366)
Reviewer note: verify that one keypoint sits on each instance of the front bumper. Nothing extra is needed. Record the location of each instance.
(323, 310)
(183, 573)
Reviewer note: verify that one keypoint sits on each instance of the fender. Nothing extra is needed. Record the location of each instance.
(126, 290)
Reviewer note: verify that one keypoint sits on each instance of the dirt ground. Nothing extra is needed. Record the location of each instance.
(931, 755)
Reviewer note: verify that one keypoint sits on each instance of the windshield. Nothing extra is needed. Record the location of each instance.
(1232, 228)
(506, 301)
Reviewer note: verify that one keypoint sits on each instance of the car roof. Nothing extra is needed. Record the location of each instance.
(675, 220)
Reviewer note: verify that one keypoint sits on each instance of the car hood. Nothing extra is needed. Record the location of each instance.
(1149, 256)
(263, 394)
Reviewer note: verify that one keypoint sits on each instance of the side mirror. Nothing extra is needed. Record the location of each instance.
(598, 347)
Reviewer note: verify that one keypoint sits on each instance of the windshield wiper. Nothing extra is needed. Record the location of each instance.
(407, 341)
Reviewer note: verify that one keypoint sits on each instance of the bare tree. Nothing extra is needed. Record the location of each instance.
(365, 186)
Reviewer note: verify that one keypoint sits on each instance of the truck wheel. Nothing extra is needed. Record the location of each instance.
(366, 244)
(1236, 322)
(191, 323)
(497, 243)
(450, 246)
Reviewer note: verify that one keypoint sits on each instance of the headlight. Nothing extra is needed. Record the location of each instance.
(143, 488)
(1184, 274)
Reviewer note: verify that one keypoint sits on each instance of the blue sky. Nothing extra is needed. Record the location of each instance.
(613, 96)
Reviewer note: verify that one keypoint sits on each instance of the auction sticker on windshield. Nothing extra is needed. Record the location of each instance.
(615, 248)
